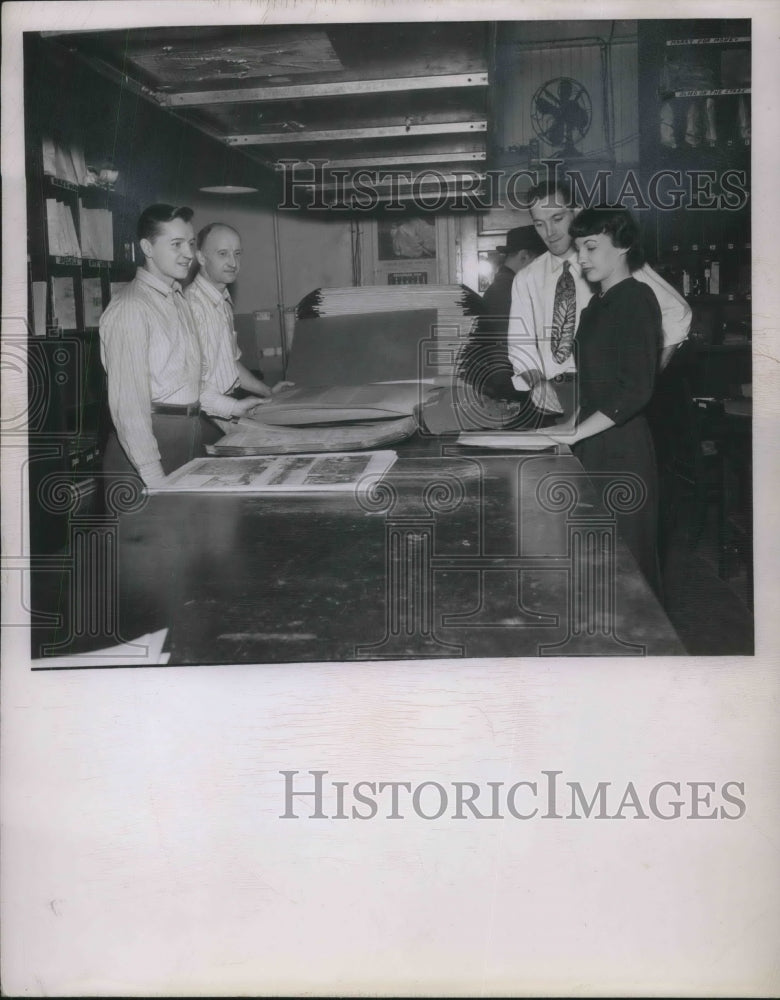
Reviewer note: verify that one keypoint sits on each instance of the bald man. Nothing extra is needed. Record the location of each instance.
(218, 252)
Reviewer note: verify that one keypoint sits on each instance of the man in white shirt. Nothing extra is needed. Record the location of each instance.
(218, 252)
(547, 299)
(149, 349)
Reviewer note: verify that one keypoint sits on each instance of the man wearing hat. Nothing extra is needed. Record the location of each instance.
(485, 361)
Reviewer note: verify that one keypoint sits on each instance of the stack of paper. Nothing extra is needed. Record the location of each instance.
(64, 160)
(339, 404)
(251, 438)
(457, 306)
(61, 230)
(514, 440)
(97, 232)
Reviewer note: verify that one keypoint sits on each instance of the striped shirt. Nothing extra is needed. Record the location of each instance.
(213, 314)
(531, 316)
(150, 352)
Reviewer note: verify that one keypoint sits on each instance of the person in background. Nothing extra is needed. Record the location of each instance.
(489, 352)
(150, 351)
(218, 253)
(548, 297)
(617, 344)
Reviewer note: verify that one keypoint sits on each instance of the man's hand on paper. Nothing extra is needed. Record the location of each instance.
(533, 377)
(246, 406)
(281, 386)
(545, 398)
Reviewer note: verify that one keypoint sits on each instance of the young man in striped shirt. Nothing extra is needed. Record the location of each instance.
(150, 351)
(218, 253)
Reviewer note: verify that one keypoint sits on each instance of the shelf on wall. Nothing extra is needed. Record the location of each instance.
(726, 40)
(715, 92)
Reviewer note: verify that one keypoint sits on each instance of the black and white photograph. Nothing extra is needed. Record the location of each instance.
(407, 239)
(662, 458)
(380, 455)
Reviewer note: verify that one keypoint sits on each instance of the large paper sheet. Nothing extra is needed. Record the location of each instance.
(356, 350)
(337, 472)
(334, 404)
(514, 440)
(249, 437)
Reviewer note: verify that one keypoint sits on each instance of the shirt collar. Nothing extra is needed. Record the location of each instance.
(556, 263)
(211, 292)
(147, 278)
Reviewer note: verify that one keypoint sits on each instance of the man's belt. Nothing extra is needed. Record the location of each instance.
(564, 377)
(177, 409)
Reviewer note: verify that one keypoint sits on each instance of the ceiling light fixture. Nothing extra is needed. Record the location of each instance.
(229, 189)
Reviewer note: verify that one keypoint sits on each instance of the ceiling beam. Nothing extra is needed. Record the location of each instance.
(451, 156)
(342, 88)
(133, 86)
(450, 180)
(336, 134)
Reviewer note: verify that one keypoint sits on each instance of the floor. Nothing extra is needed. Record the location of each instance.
(710, 615)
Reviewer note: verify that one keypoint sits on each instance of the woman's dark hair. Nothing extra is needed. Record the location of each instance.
(153, 217)
(617, 223)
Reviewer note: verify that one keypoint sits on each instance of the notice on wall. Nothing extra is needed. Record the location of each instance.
(63, 303)
(93, 301)
(39, 308)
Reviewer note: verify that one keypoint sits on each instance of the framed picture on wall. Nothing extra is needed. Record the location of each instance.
(407, 238)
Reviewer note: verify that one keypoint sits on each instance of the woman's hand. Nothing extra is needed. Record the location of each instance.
(596, 423)
(560, 435)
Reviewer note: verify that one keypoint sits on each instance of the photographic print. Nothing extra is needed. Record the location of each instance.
(303, 473)
(668, 146)
(264, 682)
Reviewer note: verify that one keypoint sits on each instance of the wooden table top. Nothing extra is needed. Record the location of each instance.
(458, 552)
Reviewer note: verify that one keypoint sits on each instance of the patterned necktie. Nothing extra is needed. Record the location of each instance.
(564, 310)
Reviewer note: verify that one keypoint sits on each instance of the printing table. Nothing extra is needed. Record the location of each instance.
(457, 553)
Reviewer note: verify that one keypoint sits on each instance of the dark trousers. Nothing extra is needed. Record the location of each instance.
(180, 439)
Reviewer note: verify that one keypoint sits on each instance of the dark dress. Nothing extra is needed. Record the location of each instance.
(618, 343)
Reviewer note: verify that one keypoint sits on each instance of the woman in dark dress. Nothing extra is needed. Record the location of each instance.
(618, 344)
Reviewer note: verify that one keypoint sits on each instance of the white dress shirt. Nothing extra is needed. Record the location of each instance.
(150, 352)
(212, 311)
(530, 320)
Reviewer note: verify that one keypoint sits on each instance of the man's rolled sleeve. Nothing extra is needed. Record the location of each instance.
(216, 404)
(675, 311)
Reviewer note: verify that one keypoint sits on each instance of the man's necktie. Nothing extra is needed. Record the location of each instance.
(564, 310)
